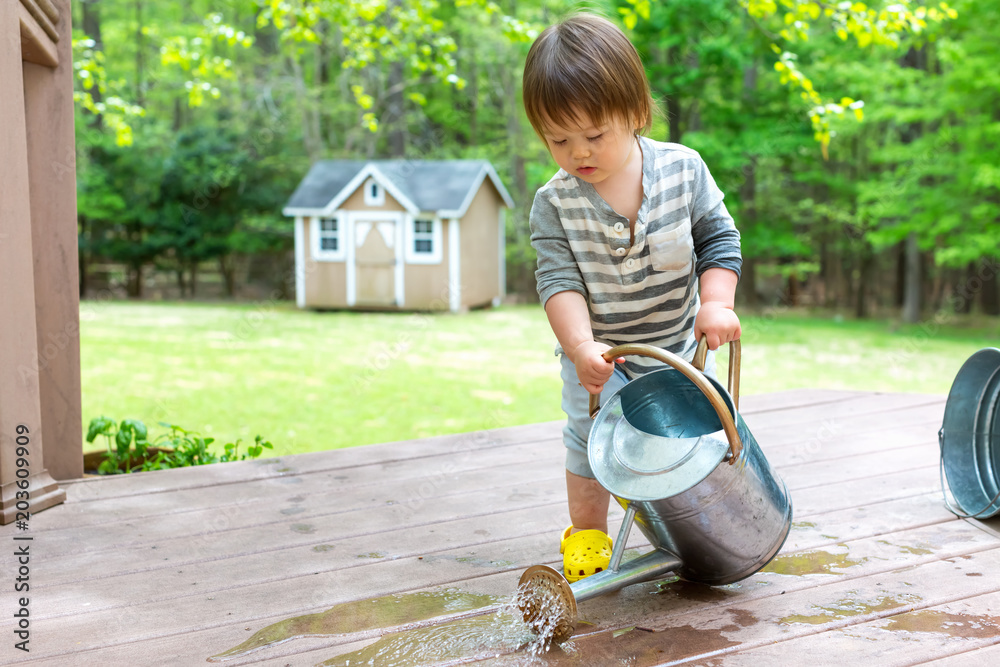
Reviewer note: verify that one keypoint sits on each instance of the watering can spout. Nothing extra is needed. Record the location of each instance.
(548, 602)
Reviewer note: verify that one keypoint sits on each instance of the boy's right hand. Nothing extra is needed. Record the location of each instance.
(591, 368)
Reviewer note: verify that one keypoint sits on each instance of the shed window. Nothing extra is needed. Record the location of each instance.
(423, 236)
(329, 234)
(374, 194)
(423, 242)
(329, 240)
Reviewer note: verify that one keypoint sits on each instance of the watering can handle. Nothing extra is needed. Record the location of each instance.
(701, 355)
(694, 374)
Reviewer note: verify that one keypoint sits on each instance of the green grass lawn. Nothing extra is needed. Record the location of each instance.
(311, 381)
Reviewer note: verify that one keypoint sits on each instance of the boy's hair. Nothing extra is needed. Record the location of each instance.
(585, 65)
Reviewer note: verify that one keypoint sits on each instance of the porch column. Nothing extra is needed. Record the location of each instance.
(22, 462)
(48, 103)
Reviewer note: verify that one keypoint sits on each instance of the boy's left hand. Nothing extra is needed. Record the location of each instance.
(718, 322)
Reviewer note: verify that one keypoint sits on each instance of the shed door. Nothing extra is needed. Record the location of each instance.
(375, 262)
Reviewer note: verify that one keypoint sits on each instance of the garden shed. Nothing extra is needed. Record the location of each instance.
(399, 235)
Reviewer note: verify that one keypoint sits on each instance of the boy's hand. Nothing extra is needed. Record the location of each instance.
(591, 367)
(718, 322)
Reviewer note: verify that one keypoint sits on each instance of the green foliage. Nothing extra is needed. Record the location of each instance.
(92, 78)
(226, 106)
(933, 145)
(130, 450)
(880, 24)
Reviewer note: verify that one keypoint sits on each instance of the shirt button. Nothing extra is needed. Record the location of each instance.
(629, 263)
(619, 227)
(621, 251)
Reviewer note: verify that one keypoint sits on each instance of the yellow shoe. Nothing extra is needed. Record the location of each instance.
(584, 553)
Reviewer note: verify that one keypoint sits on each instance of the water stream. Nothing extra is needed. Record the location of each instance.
(412, 628)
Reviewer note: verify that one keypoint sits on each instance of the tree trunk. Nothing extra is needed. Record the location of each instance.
(964, 295)
(990, 298)
(673, 103)
(133, 281)
(792, 295)
(861, 305)
(91, 23)
(693, 120)
(81, 255)
(227, 267)
(748, 282)
(310, 143)
(748, 192)
(193, 270)
(140, 96)
(394, 117)
(748, 195)
(395, 113)
(912, 285)
(473, 96)
(899, 293)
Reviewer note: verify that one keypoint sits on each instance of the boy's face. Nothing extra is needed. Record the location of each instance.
(588, 151)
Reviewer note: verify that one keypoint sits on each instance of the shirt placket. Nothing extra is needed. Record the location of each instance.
(618, 239)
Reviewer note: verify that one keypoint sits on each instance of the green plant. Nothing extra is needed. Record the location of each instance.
(129, 448)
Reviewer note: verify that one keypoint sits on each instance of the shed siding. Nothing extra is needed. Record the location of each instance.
(325, 282)
(426, 285)
(480, 255)
(356, 202)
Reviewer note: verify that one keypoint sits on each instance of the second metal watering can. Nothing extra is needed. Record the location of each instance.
(673, 450)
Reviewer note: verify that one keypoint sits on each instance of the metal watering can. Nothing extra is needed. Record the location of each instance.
(970, 438)
(674, 452)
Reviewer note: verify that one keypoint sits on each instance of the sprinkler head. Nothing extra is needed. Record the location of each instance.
(547, 604)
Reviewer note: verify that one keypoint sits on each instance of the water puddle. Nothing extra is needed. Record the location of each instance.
(452, 626)
(374, 614)
(679, 589)
(428, 627)
(848, 607)
(464, 639)
(916, 551)
(499, 640)
(811, 562)
(942, 622)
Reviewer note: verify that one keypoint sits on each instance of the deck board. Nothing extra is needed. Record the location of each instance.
(174, 566)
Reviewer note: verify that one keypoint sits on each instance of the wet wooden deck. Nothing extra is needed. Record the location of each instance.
(170, 568)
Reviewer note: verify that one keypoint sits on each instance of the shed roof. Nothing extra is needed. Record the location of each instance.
(442, 186)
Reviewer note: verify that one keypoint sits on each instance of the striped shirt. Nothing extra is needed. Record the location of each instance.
(644, 291)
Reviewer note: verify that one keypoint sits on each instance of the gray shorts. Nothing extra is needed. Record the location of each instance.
(576, 405)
